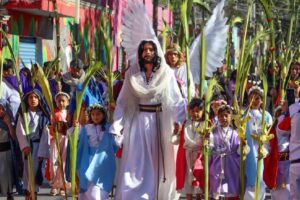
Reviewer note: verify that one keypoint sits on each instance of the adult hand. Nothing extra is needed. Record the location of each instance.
(177, 128)
(111, 107)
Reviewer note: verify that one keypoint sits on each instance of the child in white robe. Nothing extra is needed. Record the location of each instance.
(189, 151)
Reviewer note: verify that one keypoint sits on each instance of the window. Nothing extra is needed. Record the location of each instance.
(27, 51)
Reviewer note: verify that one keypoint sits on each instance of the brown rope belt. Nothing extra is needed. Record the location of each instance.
(157, 108)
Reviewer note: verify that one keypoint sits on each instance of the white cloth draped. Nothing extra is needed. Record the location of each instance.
(138, 174)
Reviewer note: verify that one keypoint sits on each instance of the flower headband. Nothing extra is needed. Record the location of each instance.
(96, 106)
(62, 94)
(257, 90)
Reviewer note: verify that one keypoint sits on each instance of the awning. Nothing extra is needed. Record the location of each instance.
(44, 8)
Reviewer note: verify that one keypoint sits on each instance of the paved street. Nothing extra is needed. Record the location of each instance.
(44, 195)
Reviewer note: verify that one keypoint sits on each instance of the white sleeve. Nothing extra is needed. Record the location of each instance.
(21, 135)
(179, 106)
(118, 123)
(175, 139)
(4, 91)
(44, 147)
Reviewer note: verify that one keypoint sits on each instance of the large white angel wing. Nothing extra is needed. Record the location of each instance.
(136, 27)
(215, 32)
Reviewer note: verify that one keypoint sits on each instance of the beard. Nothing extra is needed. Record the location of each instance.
(148, 60)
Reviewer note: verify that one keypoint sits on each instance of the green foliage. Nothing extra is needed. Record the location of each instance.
(74, 137)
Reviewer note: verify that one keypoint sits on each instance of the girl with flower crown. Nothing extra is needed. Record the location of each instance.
(255, 95)
(39, 144)
(96, 156)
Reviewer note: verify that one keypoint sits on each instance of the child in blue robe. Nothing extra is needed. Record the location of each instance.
(254, 127)
(96, 165)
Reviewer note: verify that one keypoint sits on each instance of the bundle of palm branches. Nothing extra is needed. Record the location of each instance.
(31, 175)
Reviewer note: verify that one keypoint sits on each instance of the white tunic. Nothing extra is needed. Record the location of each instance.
(10, 94)
(141, 171)
(39, 149)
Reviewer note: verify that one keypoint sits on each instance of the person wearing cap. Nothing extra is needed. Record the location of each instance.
(175, 60)
(255, 94)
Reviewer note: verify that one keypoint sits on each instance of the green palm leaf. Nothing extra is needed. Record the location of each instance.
(74, 137)
(31, 176)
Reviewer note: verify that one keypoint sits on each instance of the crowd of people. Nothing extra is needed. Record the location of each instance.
(152, 149)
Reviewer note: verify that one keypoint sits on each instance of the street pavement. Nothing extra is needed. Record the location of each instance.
(44, 194)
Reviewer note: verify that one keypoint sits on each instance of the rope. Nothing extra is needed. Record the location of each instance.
(160, 150)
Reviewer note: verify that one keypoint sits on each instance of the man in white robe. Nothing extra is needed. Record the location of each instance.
(148, 105)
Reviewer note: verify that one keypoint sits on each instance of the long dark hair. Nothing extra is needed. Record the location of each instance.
(156, 59)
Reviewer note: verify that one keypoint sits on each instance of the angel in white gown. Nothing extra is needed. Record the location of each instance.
(215, 32)
(148, 105)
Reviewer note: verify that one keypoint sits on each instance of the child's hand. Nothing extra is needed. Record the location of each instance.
(111, 107)
(26, 151)
(177, 128)
(76, 123)
(6, 119)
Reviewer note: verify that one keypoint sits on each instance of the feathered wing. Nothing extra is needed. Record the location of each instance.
(136, 27)
(215, 32)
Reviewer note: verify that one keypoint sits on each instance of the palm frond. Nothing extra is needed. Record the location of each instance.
(74, 137)
(40, 78)
(109, 55)
(31, 179)
(203, 5)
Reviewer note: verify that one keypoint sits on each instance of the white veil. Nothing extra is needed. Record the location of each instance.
(163, 83)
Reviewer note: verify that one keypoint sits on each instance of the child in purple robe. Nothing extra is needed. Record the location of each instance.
(224, 165)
